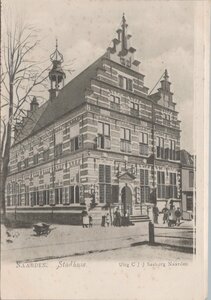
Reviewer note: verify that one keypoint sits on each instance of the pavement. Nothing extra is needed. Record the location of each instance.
(68, 241)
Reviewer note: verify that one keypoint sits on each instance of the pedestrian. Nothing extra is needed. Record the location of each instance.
(172, 216)
(103, 221)
(178, 216)
(118, 220)
(155, 213)
(90, 221)
(85, 221)
(165, 212)
(107, 219)
(127, 219)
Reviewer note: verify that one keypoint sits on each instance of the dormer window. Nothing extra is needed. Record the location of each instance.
(125, 83)
(115, 99)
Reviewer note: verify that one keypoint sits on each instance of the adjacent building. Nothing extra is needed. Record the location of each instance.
(100, 140)
(187, 184)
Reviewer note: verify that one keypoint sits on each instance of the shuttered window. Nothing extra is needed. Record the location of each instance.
(161, 185)
(144, 185)
(105, 183)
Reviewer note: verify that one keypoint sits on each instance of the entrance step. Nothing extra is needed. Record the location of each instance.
(140, 218)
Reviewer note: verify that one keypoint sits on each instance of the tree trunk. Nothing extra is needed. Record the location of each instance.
(6, 151)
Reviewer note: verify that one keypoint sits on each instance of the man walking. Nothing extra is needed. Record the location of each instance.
(155, 214)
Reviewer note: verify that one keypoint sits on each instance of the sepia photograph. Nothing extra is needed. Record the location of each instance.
(100, 153)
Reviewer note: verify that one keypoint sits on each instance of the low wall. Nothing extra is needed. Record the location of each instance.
(59, 215)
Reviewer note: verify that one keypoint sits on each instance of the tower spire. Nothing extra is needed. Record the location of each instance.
(56, 75)
(124, 29)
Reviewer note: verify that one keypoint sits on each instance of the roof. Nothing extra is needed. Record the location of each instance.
(70, 96)
(186, 158)
(30, 122)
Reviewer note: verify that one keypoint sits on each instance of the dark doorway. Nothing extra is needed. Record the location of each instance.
(127, 200)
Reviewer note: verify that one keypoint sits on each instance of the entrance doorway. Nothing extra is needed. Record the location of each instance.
(126, 195)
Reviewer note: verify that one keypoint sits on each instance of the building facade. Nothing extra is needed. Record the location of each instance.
(101, 140)
(187, 184)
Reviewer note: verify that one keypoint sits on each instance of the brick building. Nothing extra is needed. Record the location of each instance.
(100, 139)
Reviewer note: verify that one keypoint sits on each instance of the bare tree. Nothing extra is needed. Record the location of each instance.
(20, 76)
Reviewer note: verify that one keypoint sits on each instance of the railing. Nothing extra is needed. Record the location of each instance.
(143, 149)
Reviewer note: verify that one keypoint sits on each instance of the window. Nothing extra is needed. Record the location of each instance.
(75, 143)
(58, 150)
(77, 194)
(103, 139)
(143, 138)
(46, 155)
(33, 198)
(26, 163)
(161, 185)
(66, 196)
(105, 183)
(144, 185)
(103, 129)
(143, 144)
(58, 196)
(134, 106)
(125, 134)
(125, 83)
(125, 137)
(115, 193)
(71, 194)
(134, 110)
(115, 99)
(46, 197)
(19, 166)
(172, 154)
(27, 195)
(36, 159)
(172, 186)
(191, 178)
(189, 203)
(160, 148)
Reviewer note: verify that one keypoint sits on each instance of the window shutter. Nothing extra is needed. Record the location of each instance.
(101, 173)
(167, 153)
(146, 177)
(107, 174)
(129, 85)
(141, 176)
(115, 194)
(108, 193)
(120, 81)
(158, 151)
(72, 145)
(102, 192)
(80, 141)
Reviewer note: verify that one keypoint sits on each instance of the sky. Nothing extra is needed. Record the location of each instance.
(162, 32)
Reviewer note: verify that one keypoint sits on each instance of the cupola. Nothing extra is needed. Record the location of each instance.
(56, 75)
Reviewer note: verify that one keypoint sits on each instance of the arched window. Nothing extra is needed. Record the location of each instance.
(77, 195)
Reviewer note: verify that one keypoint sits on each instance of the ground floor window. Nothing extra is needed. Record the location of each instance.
(161, 185)
(58, 196)
(105, 183)
(144, 185)
(115, 193)
(190, 203)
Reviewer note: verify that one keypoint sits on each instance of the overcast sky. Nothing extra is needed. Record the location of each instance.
(162, 32)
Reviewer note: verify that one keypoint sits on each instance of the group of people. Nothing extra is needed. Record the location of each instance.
(118, 219)
(86, 219)
(171, 216)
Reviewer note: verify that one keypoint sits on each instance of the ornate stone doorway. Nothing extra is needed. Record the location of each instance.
(126, 195)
